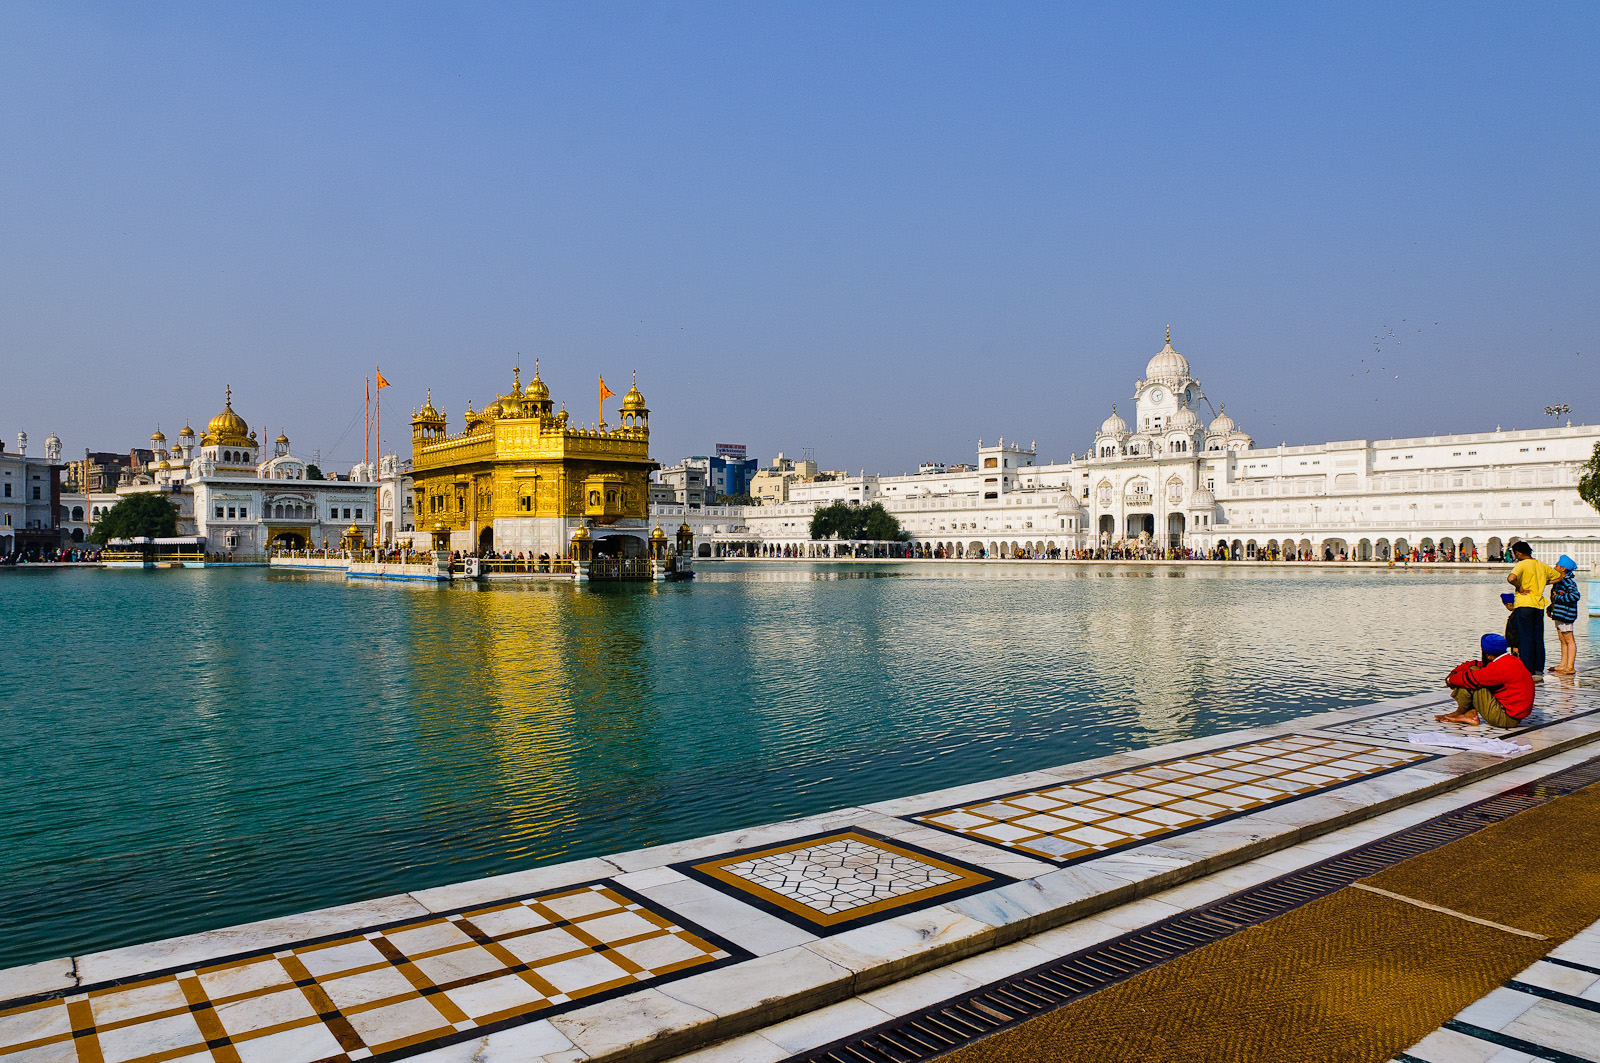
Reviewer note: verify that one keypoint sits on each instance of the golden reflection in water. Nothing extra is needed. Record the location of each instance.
(552, 674)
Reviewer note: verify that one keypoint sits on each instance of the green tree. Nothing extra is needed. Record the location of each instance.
(1589, 482)
(843, 521)
(735, 500)
(145, 513)
(314, 473)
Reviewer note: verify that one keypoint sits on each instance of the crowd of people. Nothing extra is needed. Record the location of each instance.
(50, 555)
(1499, 687)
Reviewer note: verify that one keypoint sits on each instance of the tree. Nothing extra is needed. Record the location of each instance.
(856, 522)
(736, 500)
(1589, 482)
(314, 473)
(145, 513)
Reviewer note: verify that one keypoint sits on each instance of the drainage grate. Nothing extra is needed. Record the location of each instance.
(960, 1020)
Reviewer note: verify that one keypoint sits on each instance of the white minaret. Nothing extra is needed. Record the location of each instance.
(22, 443)
(52, 449)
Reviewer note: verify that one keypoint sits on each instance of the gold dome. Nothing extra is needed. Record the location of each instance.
(428, 413)
(228, 429)
(282, 439)
(536, 390)
(157, 437)
(187, 433)
(634, 399)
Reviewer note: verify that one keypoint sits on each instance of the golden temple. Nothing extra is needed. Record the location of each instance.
(521, 479)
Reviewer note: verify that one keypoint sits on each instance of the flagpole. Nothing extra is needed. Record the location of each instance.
(366, 408)
(378, 417)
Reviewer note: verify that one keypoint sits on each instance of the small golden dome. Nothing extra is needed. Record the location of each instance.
(157, 437)
(187, 433)
(352, 531)
(283, 439)
(228, 428)
(634, 399)
(658, 535)
(581, 534)
(536, 390)
(428, 413)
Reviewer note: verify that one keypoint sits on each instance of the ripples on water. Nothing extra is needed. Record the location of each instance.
(188, 749)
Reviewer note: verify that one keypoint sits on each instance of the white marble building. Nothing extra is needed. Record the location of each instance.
(242, 499)
(1175, 479)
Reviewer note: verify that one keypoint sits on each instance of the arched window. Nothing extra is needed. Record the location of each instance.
(77, 512)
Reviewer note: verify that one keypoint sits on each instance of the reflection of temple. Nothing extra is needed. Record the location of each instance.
(519, 478)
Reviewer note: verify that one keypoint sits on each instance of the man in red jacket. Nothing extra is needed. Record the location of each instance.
(1499, 688)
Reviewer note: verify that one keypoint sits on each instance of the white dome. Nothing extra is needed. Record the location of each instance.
(1113, 425)
(1167, 365)
(1202, 499)
(1185, 420)
(1223, 425)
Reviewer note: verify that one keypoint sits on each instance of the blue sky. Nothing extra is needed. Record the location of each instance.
(881, 231)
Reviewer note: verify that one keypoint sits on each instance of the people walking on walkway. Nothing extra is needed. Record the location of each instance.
(1496, 688)
(1564, 613)
(1529, 577)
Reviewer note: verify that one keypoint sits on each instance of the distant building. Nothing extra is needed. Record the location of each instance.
(30, 499)
(241, 500)
(770, 486)
(1166, 479)
(104, 471)
(689, 482)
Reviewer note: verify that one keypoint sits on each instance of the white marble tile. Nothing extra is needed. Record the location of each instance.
(722, 914)
(1447, 1046)
(751, 1048)
(731, 841)
(520, 1044)
(1555, 976)
(965, 794)
(879, 952)
(1496, 1008)
(824, 1025)
(650, 876)
(629, 1023)
(195, 949)
(516, 884)
(1050, 898)
(33, 978)
(1583, 948)
(1559, 1026)
(780, 984)
(1138, 914)
(913, 994)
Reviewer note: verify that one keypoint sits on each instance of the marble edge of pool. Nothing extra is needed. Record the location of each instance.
(789, 969)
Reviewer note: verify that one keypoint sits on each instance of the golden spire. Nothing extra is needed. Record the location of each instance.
(1169, 333)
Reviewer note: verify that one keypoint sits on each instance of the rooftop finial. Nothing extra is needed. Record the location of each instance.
(228, 391)
(536, 368)
(1169, 334)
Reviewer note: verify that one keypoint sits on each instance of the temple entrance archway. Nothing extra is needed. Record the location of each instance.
(1141, 524)
(486, 540)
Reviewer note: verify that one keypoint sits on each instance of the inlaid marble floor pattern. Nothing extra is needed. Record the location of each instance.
(1077, 820)
(379, 995)
(827, 882)
(1551, 704)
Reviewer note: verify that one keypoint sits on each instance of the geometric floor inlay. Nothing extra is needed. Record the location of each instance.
(1087, 817)
(1551, 705)
(381, 994)
(831, 882)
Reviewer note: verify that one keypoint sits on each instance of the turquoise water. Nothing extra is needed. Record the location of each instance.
(188, 749)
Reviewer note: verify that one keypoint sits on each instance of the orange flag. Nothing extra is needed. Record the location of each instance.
(605, 392)
(382, 383)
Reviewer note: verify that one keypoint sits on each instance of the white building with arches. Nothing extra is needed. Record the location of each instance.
(1171, 478)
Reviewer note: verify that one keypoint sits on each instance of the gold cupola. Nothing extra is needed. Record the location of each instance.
(634, 412)
(227, 429)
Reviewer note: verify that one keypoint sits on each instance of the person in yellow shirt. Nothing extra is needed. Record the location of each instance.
(1528, 578)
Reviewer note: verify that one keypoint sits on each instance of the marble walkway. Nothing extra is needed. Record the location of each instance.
(656, 952)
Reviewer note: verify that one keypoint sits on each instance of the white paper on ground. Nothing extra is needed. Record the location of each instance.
(1498, 747)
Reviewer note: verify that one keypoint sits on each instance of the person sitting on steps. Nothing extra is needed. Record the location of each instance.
(1498, 688)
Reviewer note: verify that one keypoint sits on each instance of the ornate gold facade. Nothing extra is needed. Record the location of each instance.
(522, 478)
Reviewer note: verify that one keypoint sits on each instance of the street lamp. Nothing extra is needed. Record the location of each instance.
(1557, 412)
